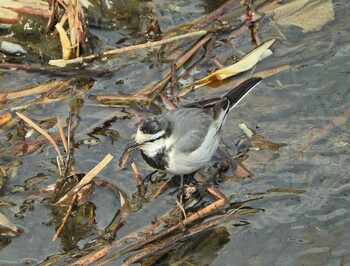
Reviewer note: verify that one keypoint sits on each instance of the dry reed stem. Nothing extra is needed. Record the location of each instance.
(87, 178)
(96, 255)
(65, 218)
(191, 232)
(131, 48)
(35, 90)
(140, 183)
(63, 137)
(162, 188)
(179, 63)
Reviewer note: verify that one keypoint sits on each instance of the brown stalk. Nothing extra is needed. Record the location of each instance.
(167, 102)
(65, 218)
(140, 183)
(198, 215)
(22, 67)
(124, 98)
(162, 188)
(63, 137)
(217, 194)
(205, 211)
(87, 178)
(39, 101)
(137, 47)
(35, 90)
(179, 63)
(93, 256)
(191, 232)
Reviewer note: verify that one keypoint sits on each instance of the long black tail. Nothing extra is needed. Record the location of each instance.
(238, 93)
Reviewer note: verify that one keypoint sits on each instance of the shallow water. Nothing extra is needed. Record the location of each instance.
(302, 189)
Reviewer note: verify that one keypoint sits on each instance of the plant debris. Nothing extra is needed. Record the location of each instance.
(204, 53)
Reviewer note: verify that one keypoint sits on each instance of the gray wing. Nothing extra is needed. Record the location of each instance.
(190, 126)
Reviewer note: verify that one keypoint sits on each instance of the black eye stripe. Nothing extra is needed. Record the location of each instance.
(153, 140)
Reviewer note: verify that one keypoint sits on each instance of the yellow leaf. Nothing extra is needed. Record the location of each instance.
(4, 118)
(246, 63)
(65, 43)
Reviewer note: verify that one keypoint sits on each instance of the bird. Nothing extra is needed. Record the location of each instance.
(183, 140)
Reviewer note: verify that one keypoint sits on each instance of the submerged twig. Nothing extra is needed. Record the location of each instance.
(65, 218)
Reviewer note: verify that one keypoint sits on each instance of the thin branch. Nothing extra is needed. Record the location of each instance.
(130, 48)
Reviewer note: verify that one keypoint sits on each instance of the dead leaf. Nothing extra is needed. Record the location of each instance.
(246, 63)
(4, 118)
(65, 43)
(310, 15)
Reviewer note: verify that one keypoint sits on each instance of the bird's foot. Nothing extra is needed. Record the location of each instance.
(148, 177)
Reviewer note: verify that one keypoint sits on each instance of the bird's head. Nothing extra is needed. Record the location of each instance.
(153, 129)
(151, 133)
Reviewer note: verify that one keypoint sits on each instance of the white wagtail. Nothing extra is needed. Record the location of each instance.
(183, 140)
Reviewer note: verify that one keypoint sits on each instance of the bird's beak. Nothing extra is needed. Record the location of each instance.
(127, 152)
(130, 147)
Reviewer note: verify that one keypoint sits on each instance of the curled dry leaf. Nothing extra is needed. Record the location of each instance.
(65, 43)
(246, 63)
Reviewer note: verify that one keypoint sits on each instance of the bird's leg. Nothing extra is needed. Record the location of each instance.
(180, 203)
(181, 189)
(149, 177)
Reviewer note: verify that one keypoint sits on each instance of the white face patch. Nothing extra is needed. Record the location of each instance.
(142, 137)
